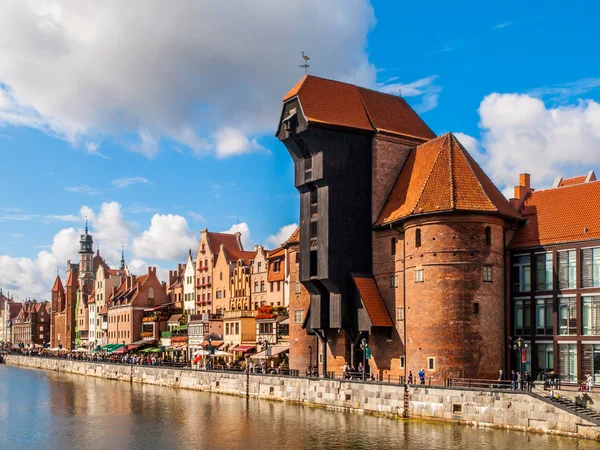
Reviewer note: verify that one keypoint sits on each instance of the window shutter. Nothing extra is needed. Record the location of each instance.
(549, 314)
(563, 270)
(540, 272)
(587, 278)
(587, 360)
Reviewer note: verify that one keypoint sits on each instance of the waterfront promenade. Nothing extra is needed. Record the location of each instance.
(497, 408)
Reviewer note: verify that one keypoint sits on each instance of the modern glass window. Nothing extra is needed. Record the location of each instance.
(590, 360)
(544, 358)
(591, 315)
(521, 268)
(567, 269)
(543, 316)
(567, 362)
(522, 316)
(487, 273)
(567, 316)
(543, 271)
(590, 267)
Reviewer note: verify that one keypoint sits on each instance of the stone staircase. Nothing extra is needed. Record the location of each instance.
(572, 406)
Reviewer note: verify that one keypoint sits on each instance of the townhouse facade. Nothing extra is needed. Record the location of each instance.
(258, 277)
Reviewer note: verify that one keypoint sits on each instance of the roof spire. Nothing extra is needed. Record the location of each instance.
(86, 225)
(122, 257)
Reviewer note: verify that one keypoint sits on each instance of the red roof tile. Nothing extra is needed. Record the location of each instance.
(58, 286)
(234, 255)
(560, 215)
(371, 298)
(441, 176)
(294, 238)
(346, 105)
(72, 278)
(277, 253)
(572, 181)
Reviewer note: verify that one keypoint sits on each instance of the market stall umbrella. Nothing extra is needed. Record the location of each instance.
(81, 350)
(222, 353)
(201, 352)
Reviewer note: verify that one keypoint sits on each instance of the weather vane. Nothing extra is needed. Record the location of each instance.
(305, 66)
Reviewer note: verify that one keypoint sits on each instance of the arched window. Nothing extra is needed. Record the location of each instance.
(151, 296)
(418, 237)
(488, 236)
(393, 246)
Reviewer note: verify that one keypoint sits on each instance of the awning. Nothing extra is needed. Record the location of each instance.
(197, 359)
(378, 314)
(215, 344)
(275, 350)
(244, 348)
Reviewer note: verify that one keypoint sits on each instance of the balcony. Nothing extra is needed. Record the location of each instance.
(239, 314)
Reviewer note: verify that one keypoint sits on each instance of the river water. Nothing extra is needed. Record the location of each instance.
(40, 409)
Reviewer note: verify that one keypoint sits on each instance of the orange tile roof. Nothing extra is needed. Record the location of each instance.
(572, 181)
(441, 176)
(72, 279)
(373, 301)
(234, 255)
(277, 253)
(294, 238)
(560, 215)
(346, 105)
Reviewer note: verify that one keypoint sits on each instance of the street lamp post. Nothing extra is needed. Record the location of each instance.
(364, 345)
(520, 347)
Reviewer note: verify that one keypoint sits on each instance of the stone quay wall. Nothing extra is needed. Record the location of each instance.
(469, 406)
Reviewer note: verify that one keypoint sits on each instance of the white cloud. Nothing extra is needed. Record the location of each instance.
(425, 88)
(502, 25)
(174, 72)
(63, 217)
(46, 218)
(140, 267)
(83, 189)
(197, 217)
(65, 245)
(282, 235)
(128, 181)
(168, 238)
(140, 209)
(230, 142)
(521, 133)
(243, 228)
(563, 92)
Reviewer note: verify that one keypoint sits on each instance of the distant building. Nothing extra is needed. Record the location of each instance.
(189, 293)
(258, 277)
(32, 324)
(276, 277)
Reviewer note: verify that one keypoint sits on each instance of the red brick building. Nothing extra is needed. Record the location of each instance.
(402, 237)
(32, 325)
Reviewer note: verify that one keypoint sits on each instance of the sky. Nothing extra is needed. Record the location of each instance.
(156, 119)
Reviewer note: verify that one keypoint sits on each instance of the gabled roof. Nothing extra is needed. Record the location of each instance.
(293, 239)
(372, 300)
(72, 279)
(58, 286)
(572, 181)
(346, 105)
(277, 253)
(215, 240)
(441, 176)
(560, 215)
(124, 295)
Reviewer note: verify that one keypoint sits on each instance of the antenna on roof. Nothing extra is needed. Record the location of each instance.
(400, 92)
(305, 66)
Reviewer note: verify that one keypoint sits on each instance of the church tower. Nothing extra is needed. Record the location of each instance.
(86, 263)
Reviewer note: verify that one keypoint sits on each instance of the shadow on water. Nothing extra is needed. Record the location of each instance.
(57, 411)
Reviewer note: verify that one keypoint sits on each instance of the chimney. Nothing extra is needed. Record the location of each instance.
(522, 190)
(238, 236)
(591, 176)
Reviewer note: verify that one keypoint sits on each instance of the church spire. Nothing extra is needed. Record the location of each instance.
(122, 257)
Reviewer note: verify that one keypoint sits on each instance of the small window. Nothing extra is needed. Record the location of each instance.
(487, 273)
(394, 246)
(419, 276)
(402, 362)
(400, 313)
(418, 237)
(431, 363)
(476, 308)
(394, 281)
(488, 236)
(297, 288)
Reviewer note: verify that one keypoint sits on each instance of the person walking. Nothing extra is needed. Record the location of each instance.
(345, 370)
(422, 376)
(528, 382)
(410, 377)
(589, 382)
(513, 380)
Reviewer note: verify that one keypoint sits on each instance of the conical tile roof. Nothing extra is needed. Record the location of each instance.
(58, 286)
(441, 176)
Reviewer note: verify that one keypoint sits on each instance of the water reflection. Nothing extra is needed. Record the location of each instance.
(50, 410)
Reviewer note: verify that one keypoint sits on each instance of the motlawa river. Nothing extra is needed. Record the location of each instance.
(49, 410)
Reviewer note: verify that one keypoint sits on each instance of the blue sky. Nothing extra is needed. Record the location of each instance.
(167, 119)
